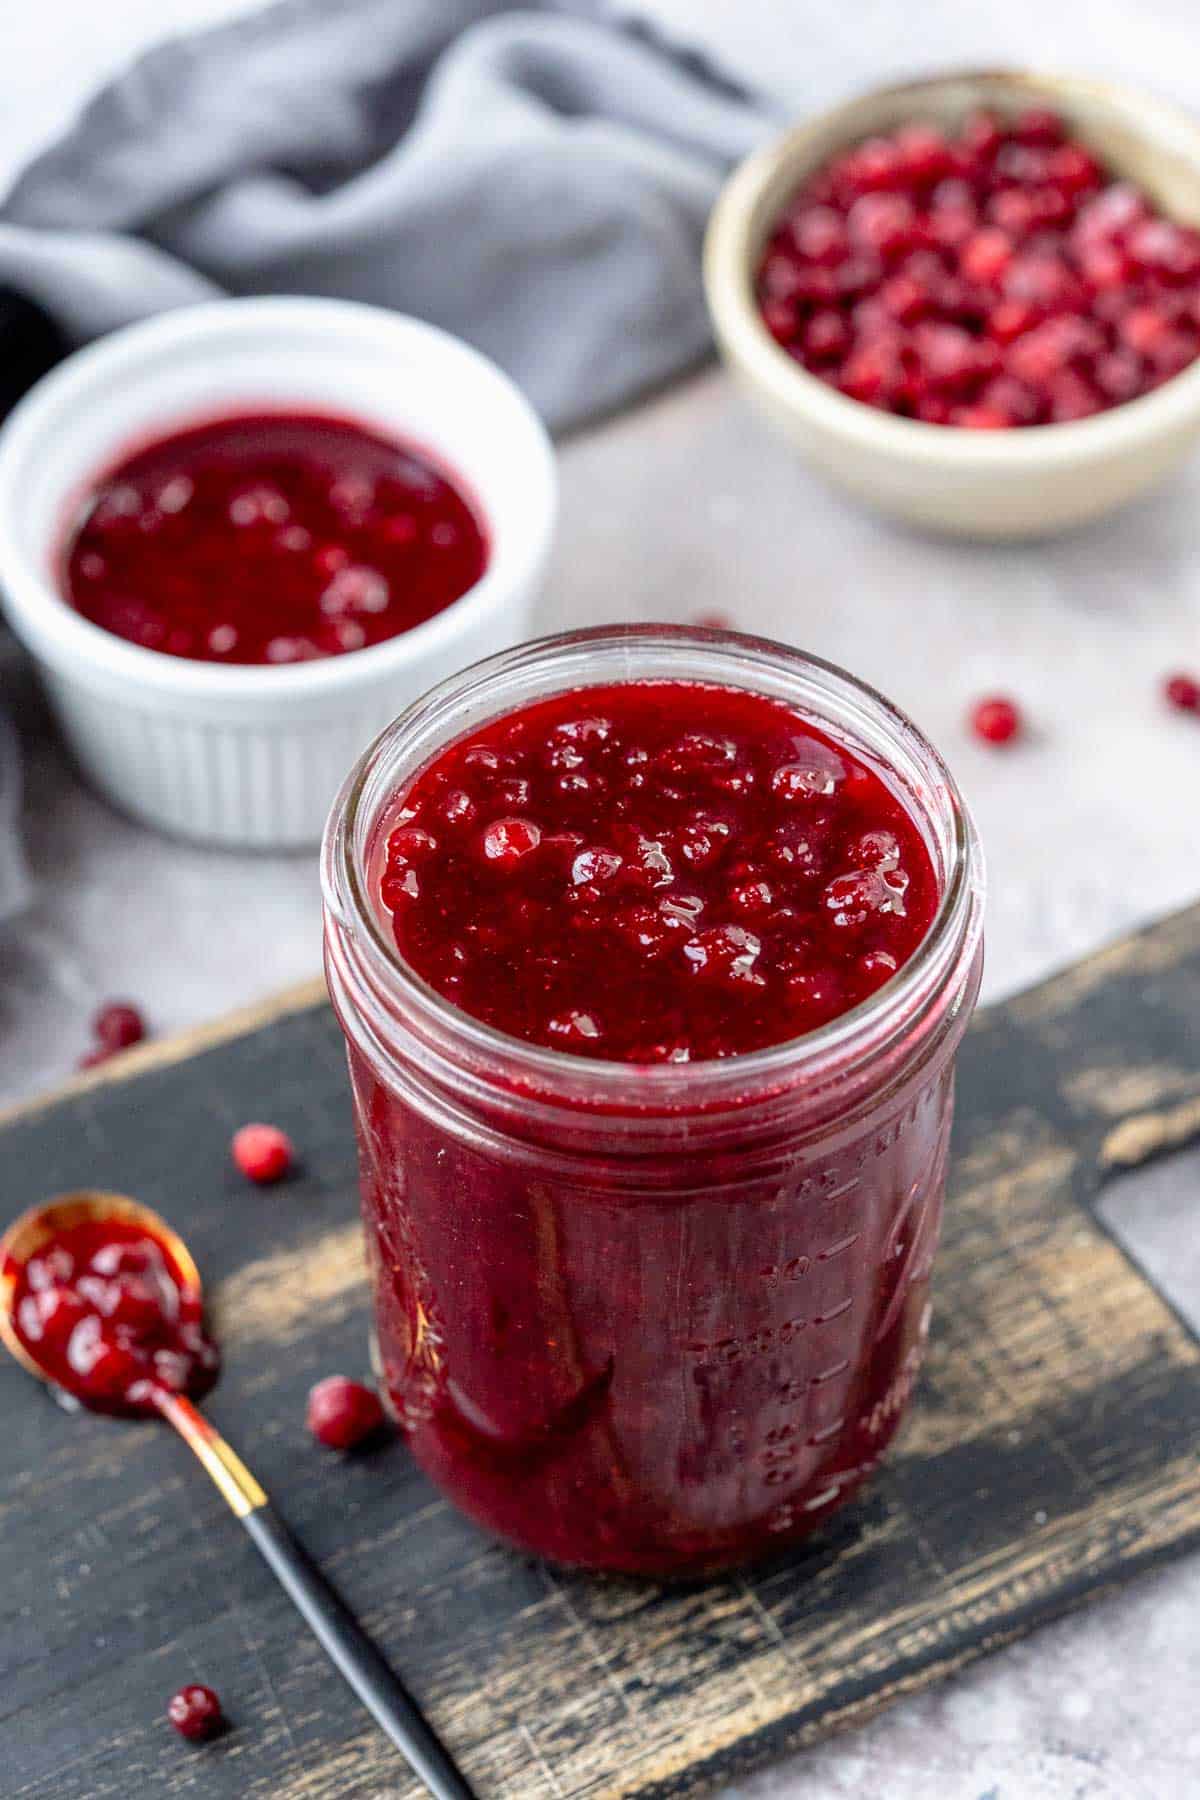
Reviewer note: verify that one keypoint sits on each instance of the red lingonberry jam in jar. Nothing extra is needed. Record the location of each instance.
(653, 872)
(989, 277)
(271, 538)
(652, 951)
(103, 1309)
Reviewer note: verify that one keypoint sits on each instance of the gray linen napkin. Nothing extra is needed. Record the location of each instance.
(536, 181)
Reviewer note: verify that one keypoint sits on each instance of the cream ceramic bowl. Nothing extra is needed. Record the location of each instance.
(246, 755)
(996, 484)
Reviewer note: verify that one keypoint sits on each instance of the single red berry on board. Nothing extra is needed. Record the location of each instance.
(996, 720)
(342, 1413)
(117, 1025)
(1183, 693)
(195, 1712)
(262, 1152)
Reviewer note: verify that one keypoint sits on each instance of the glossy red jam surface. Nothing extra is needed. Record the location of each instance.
(991, 278)
(271, 539)
(103, 1310)
(655, 872)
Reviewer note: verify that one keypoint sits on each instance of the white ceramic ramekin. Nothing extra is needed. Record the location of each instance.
(254, 755)
(993, 484)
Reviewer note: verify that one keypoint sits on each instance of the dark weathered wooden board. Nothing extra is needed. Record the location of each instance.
(1053, 1451)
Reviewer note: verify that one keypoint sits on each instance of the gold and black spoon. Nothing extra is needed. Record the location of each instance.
(341, 1636)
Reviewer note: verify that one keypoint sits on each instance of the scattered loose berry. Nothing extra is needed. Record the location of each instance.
(996, 720)
(343, 1413)
(1183, 693)
(195, 1712)
(117, 1025)
(262, 1152)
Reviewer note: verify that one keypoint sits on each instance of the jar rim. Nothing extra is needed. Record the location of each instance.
(949, 943)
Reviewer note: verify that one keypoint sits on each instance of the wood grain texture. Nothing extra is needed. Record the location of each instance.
(1054, 1450)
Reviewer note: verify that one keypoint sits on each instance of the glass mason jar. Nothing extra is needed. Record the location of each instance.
(660, 1318)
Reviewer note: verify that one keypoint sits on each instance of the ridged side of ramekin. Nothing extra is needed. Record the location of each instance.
(220, 781)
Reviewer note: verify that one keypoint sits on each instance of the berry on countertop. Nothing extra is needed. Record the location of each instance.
(1182, 692)
(996, 719)
(342, 1413)
(262, 1152)
(195, 1712)
(117, 1025)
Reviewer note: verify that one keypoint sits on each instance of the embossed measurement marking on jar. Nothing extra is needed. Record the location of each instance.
(784, 1516)
(779, 1458)
(896, 1398)
(784, 1440)
(827, 1184)
(719, 1352)
(780, 1274)
(777, 1274)
(796, 1387)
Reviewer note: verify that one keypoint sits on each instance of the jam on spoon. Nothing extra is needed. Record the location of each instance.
(112, 1318)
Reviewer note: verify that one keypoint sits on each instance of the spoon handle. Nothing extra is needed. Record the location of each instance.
(341, 1636)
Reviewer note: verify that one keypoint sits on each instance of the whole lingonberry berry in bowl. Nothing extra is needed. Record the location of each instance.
(972, 301)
